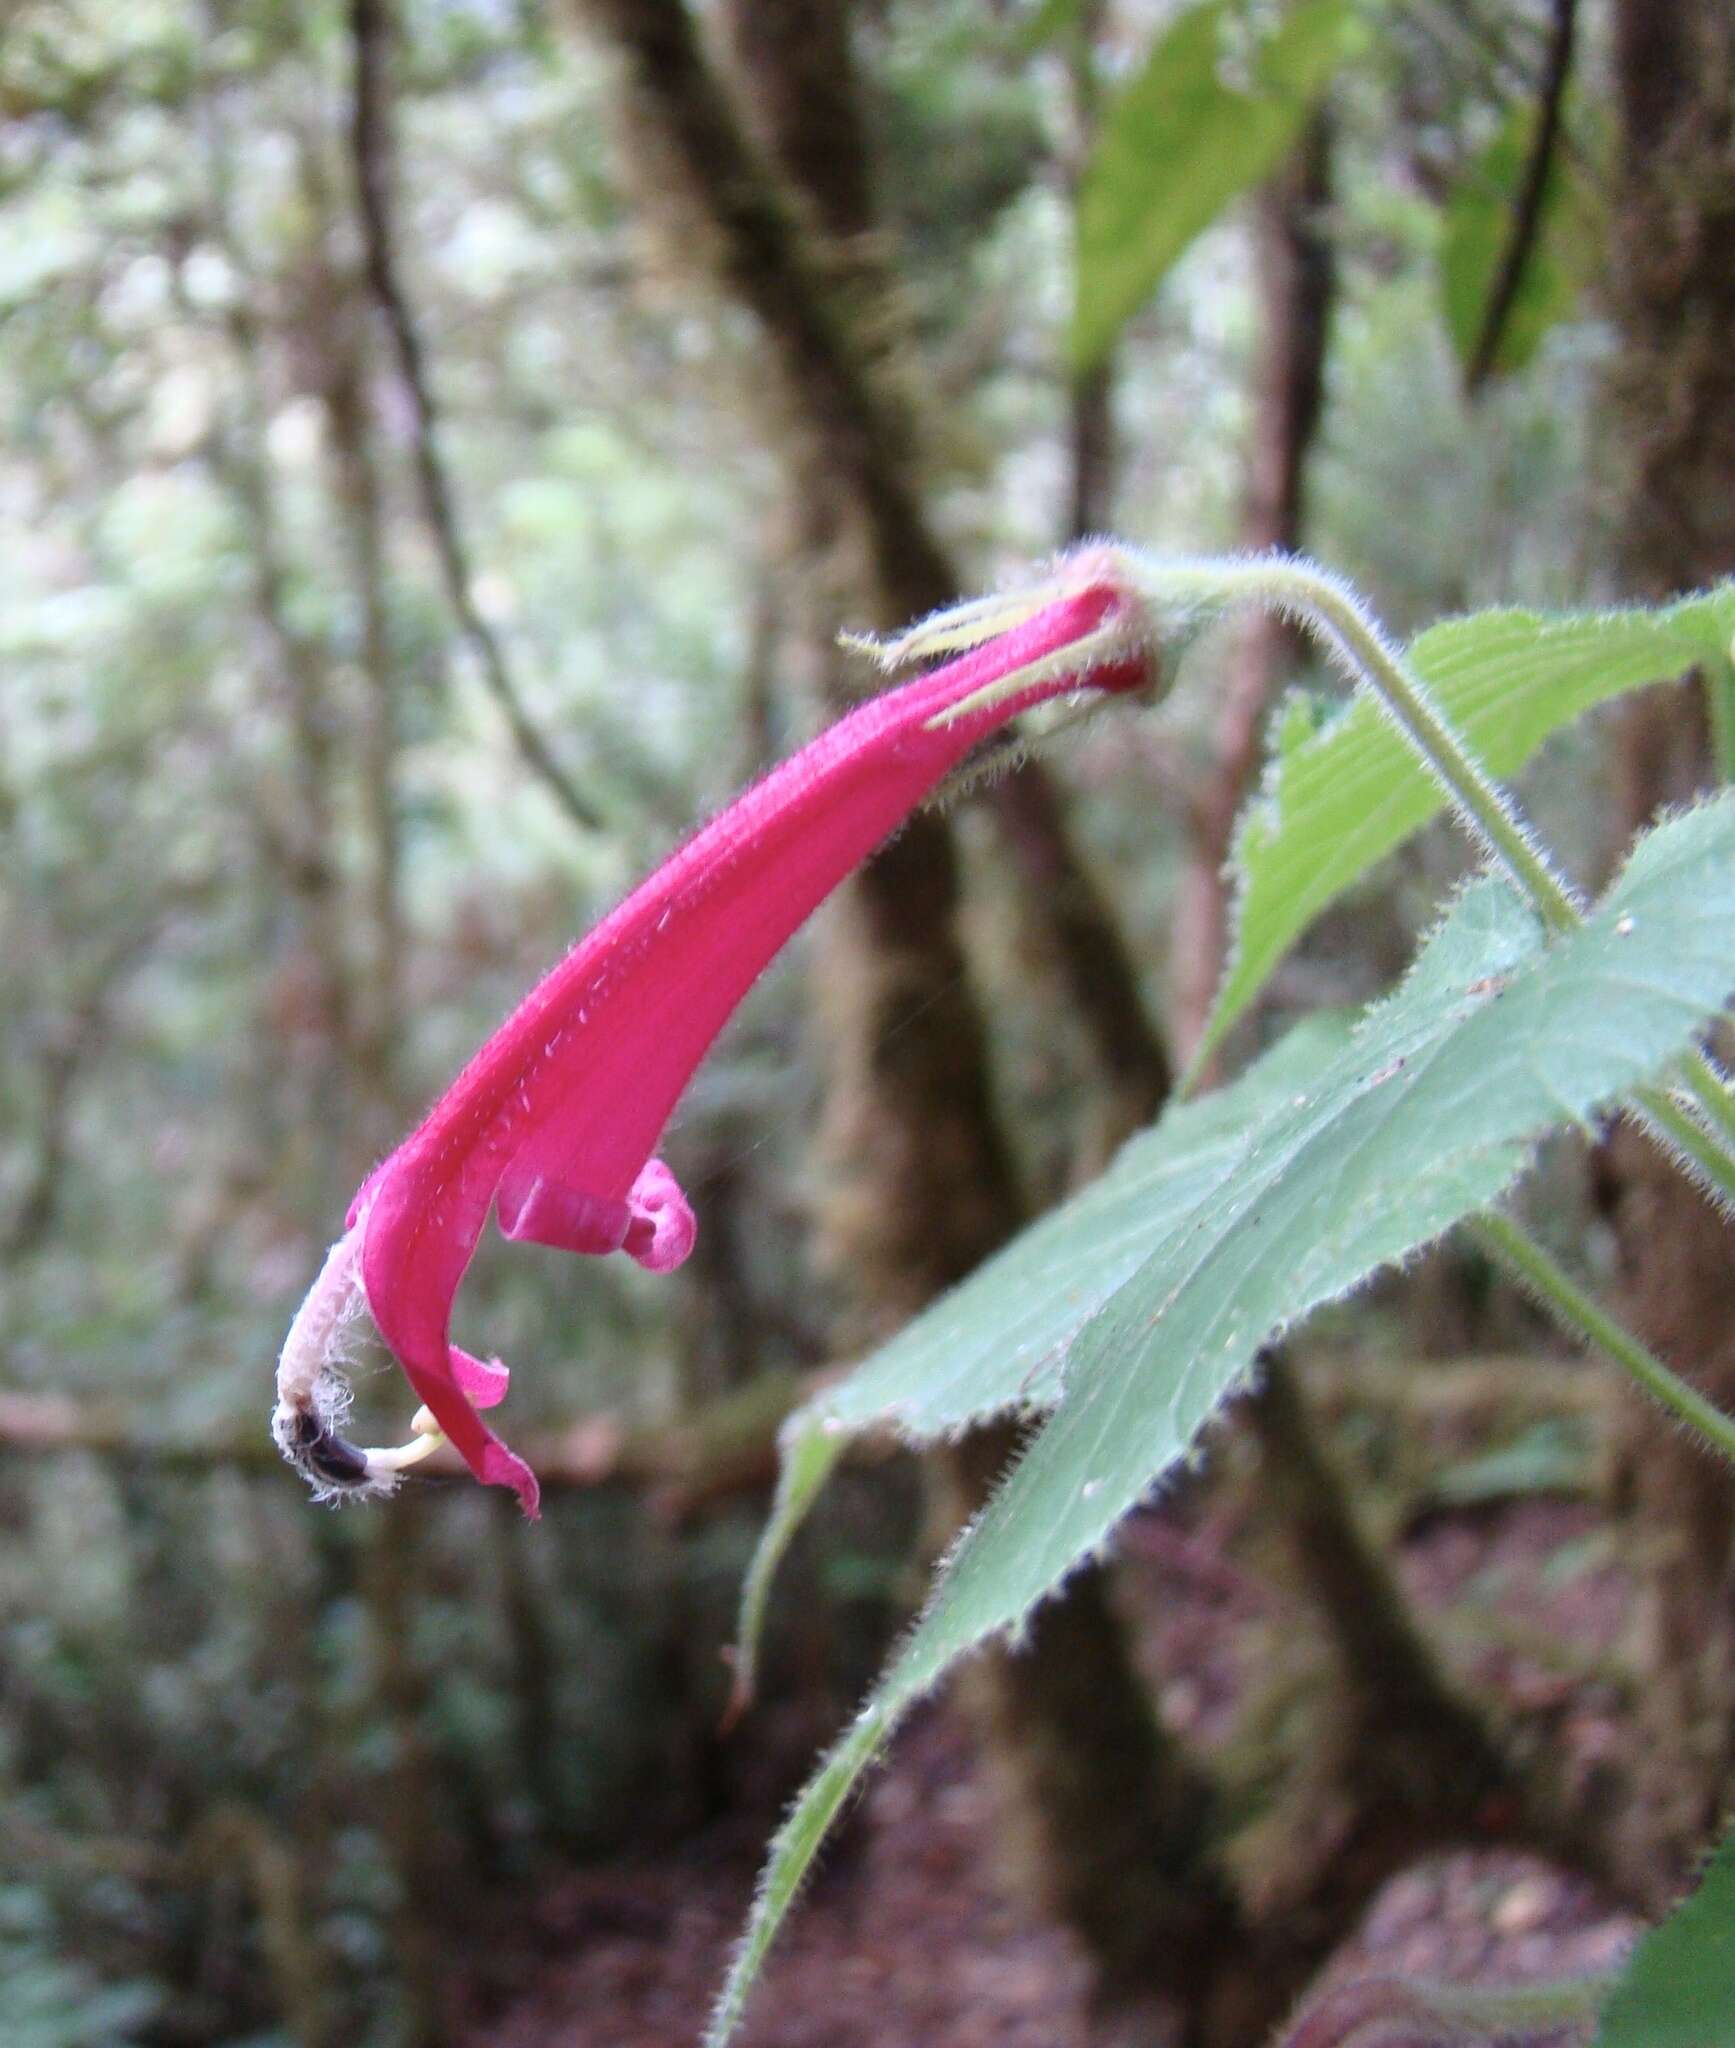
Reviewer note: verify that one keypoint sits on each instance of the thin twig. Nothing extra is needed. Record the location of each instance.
(370, 143)
(1548, 1281)
(66, 1057)
(1527, 214)
(1297, 287)
(714, 1452)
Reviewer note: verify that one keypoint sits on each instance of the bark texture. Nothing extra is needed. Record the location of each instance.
(1404, 1760)
(1295, 292)
(1674, 289)
(1106, 1821)
(1673, 401)
(371, 28)
(1407, 1761)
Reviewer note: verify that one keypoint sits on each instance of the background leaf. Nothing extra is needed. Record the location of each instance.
(1422, 1117)
(1051, 19)
(1678, 1991)
(1339, 798)
(1182, 140)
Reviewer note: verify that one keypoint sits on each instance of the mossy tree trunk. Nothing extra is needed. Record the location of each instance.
(1672, 388)
(919, 1183)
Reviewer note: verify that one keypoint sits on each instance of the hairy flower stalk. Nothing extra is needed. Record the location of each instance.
(551, 1125)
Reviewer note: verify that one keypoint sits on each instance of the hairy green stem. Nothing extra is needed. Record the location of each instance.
(1697, 1150)
(1719, 683)
(1711, 1090)
(1332, 611)
(1541, 1274)
(1334, 614)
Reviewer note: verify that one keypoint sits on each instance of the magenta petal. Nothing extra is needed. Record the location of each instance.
(554, 1213)
(481, 1381)
(495, 1465)
(404, 1266)
(557, 1114)
(663, 1229)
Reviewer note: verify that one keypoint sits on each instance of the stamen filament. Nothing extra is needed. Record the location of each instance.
(426, 1438)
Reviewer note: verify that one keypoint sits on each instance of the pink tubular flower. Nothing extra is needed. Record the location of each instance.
(552, 1122)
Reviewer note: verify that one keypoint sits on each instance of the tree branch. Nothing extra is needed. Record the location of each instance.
(1090, 434)
(860, 441)
(1527, 214)
(1108, 1818)
(370, 145)
(70, 1049)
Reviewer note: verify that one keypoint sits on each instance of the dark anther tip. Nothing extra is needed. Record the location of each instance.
(323, 1451)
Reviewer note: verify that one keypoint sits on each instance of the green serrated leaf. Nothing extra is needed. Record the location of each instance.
(1202, 122)
(1336, 803)
(996, 1344)
(1478, 228)
(1425, 1115)
(1678, 1990)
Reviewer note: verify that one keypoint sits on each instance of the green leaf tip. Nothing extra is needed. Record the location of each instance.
(1678, 1989)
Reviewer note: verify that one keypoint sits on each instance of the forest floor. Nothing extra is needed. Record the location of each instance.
(907, 1937)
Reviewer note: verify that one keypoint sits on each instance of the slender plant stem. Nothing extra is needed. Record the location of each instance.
(1418, 2009)
(1538, 1271)
(1525, 2005)
(1719, 678)
(1711, 1090)
(1333, 611)
(1682, 1134)
(1531, 204)
(1487, 807)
